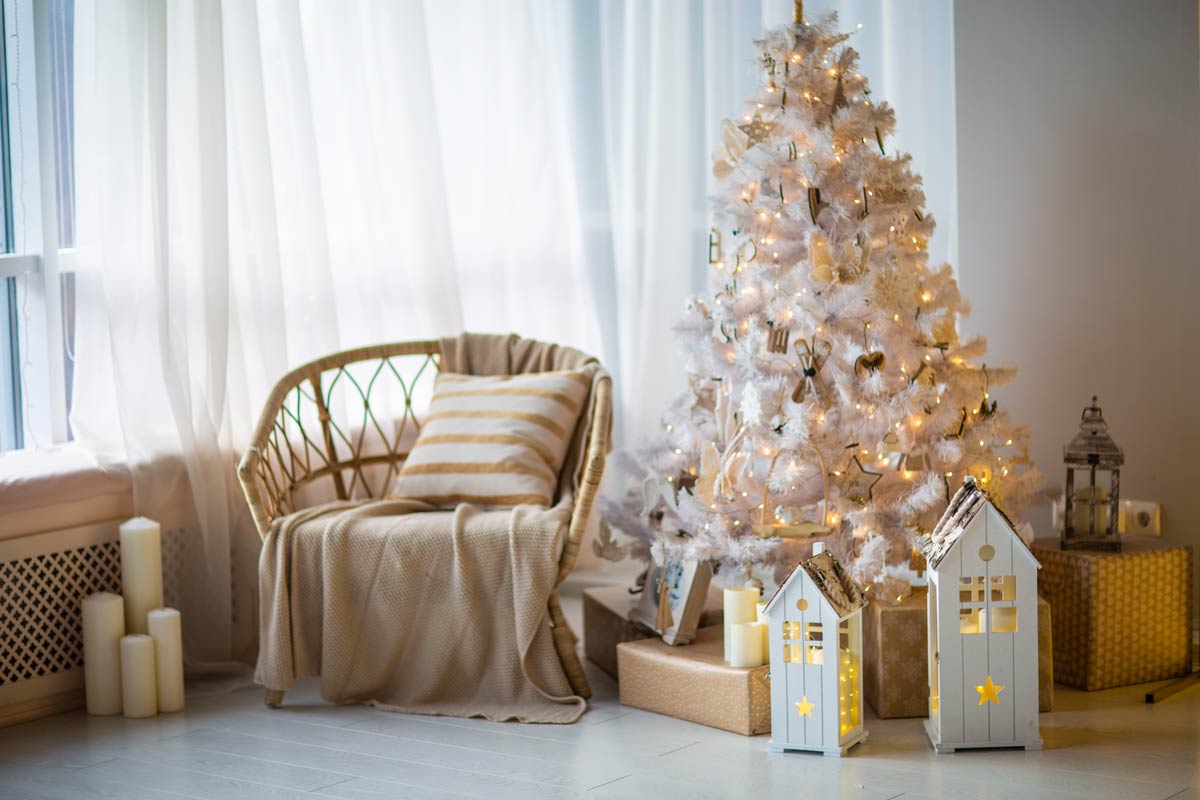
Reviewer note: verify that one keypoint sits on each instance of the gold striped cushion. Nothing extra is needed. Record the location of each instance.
(496, 440)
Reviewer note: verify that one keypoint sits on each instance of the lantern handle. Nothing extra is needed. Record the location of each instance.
(1095, 406)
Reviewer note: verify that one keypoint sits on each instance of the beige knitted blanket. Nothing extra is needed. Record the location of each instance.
(428, 613)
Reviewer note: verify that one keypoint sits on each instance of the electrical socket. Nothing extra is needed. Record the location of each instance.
(1134, 517)
(1140, 518)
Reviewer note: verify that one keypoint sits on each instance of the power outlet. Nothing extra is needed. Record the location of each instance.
(1134, 517)
(1140, 518)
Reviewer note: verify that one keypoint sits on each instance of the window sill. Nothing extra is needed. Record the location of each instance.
(57, 488)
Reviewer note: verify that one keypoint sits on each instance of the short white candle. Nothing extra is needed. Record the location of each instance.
(138, 693)
(103, 627)
(165, 629)
(745, 645)
(738, 607)
(141, 571)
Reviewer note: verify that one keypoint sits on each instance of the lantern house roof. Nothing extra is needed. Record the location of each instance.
(1092, 446)
(832, 581)
(968, 502)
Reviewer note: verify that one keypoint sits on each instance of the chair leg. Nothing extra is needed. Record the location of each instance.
(274, 698)
(564, 645)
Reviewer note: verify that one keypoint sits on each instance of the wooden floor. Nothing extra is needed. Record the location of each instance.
(228, 746)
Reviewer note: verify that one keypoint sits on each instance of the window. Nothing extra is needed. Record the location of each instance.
(987, 604)
(814, 645)
(971, 603)
(36, 285)
(1002, 604)
(793, 652)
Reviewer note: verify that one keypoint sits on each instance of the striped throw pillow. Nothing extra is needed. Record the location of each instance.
(496, 441)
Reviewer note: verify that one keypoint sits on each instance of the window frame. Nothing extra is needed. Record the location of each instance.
(35, 261)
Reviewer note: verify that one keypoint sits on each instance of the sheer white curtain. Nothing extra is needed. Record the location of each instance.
(263, 182)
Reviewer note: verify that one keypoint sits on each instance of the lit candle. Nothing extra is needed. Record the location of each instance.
(141, 571)
(1083, 510)
(103, 627)
(138, 694)
(746, 645)
(738, 607)
(164, 624)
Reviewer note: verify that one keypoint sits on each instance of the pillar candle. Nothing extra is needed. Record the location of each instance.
(103, 627)
(739, 607)
(745, 645)
(165, 629)
(141, 571)
(138, 693)
(1083, 510)
(759, 608)
(764, 631)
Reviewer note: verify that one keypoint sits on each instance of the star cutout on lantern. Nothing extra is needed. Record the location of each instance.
(757, 130)
(855, 482)
(989, 691)
(804, 708)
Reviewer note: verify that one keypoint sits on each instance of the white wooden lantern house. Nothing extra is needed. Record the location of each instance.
(816, 659)
(983, 645)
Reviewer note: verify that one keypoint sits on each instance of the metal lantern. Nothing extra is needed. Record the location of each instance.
(1090, 516)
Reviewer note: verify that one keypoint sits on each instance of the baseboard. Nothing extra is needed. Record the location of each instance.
(39, 707)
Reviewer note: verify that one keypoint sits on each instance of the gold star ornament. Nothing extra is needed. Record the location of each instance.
(757, 130)
(804, 708)
(989, 691)
(855, 483)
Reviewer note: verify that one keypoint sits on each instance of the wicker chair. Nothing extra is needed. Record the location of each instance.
(304, 451)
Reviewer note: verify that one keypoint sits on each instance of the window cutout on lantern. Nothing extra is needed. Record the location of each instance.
(1003, 619)
(802, 604)
(1004, 588)
(793, 654)
(844, 635)
(792, 630)
(970, 589)
(968, 620)
(814, 651)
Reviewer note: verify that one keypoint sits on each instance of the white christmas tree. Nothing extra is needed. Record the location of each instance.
(831, 394)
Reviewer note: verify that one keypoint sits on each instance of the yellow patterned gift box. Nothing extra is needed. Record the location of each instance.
(694, 683)
(896, 664)
(1119, 618)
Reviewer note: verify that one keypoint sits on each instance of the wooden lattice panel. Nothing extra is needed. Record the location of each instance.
(40, 621)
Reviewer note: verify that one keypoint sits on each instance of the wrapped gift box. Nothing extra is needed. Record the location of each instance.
(1119, 618)
(896, 664)
(606, 622)
(694, 683)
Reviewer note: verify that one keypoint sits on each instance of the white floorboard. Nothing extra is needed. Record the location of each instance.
(227, 745)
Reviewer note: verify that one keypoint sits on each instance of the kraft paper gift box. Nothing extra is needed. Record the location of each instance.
(694, 683)
(1119, 618)
(896, 664)
(606, 622)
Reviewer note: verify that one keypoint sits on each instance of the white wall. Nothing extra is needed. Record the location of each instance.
(1079, 216)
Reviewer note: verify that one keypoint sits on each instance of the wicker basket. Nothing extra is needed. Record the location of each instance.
(340, 428)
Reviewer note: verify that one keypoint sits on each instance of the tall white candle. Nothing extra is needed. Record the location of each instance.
(138, 695)
(745, 639)
(141, 571)
(103, 627)
(165, 629)
(764, 630)
(738, 607)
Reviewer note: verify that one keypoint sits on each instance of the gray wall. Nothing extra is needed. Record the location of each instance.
(1079, 213)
